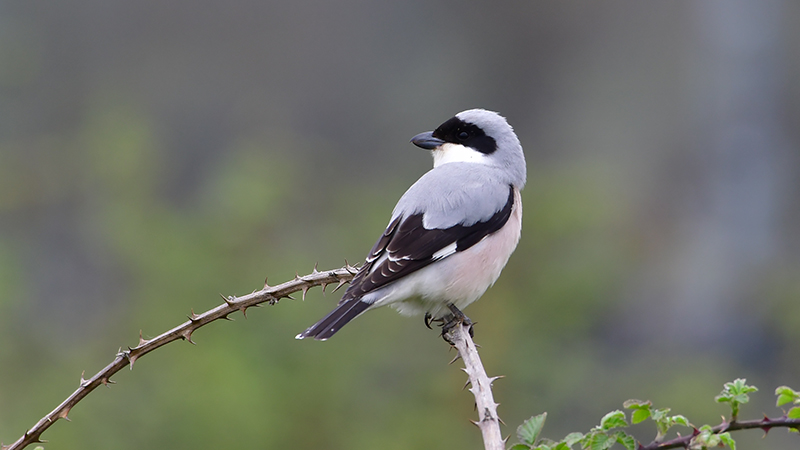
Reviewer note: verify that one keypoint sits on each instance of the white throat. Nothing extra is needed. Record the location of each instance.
(448, 153)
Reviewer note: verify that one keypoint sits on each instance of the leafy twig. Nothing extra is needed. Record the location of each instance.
(605, 435)
(269, 294)
(765, 424)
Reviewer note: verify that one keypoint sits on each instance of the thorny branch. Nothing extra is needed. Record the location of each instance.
(269, 294)
(765, 424)
(488, 421)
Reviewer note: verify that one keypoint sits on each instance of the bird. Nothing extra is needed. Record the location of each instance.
(451, 233)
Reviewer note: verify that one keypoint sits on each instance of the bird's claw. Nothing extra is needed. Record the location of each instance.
(450, 321)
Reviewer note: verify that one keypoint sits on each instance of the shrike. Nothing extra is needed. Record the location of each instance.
(450, 234)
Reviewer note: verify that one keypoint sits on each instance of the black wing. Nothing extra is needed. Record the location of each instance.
(407, 246)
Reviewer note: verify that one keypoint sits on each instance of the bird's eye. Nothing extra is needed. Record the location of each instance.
(463, 135)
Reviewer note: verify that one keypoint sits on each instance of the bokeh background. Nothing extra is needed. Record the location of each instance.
(156, 153)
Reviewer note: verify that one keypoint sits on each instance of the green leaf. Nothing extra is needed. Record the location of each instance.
(640, 415)
(600, 441)
(681, 420)
(520, 447)
(530, 429)
(636, 404)
(794, 413)
(625, 440)
(572, 439)
(735, 393)
(786, 395)
(727, 440)
(660, 415)
(614, 419)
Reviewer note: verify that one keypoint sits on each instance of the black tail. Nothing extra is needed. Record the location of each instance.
(335, 320)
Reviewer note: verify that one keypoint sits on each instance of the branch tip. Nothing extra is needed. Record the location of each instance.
(183, 331)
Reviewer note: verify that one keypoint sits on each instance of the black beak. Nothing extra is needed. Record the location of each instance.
(427, 141)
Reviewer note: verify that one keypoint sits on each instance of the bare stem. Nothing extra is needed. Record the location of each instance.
(481, 388)
(269, 294)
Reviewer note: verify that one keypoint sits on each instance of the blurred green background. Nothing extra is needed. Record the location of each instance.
(156, 153)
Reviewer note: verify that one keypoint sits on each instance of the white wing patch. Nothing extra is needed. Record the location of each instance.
(447, 251)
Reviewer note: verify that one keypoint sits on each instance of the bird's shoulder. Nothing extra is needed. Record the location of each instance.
(455, 194)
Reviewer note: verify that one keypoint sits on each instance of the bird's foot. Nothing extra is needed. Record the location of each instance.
(453, 320)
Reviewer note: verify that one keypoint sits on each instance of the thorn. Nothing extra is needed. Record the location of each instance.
(243, 309)
(501, 421)
(477, 424)
(315, 271)
(266, 286)
(193, 317)
(341, 282)
(187, 335)
(766, 425)
(304, 290)
(226, 317)
(228, 301)
(492, 379)
(83, 382)
(106, 381)
(324, 285)
(131, 358)
(63, 414)
(142, 340)
(271, 302)
(466, 384)
(352, 269)
(458, 356)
